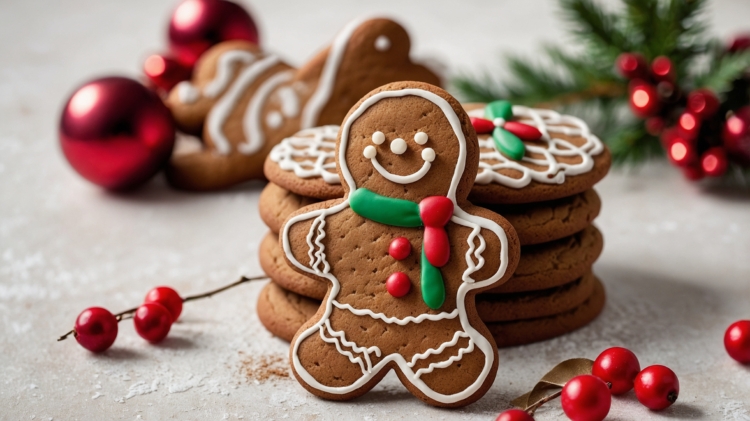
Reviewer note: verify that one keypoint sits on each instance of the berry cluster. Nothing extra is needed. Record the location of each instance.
(96, 327)
(699, 133)
(615, 371)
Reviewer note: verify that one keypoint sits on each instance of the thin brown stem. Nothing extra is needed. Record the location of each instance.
(128, 314)
(530, 410)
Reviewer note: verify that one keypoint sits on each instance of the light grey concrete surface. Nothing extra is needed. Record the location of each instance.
(675, 263)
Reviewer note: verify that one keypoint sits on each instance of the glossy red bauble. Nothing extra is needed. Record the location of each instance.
(617, 366)
(703, 103)
(632, 66)
(657, 387)
(152, 322)
(398, 284)
(116, 132)
(197, 25)
(714, 162)
(737, 341)
(662, 68)
(96, 329)
(400, 248)
(644, 99)
(586, 398)
(514, 415)
(164, 71)
(167, 297)
(736, 135)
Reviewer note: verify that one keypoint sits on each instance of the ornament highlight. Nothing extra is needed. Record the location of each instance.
(617, 366)
(96, 329)
(737, 341)
(586, 398)
(657, 387)
(116, 133)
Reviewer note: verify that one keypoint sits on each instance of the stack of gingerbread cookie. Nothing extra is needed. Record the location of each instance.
(537, 168)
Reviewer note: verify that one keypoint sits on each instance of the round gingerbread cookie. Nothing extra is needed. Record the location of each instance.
(521, 332)
(283, 312)
(529, 305)
(276, 203)
(548, 265)
(273, 264)
(531, 155)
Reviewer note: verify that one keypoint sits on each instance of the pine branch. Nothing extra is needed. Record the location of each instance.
(724, 71)
(595, 27)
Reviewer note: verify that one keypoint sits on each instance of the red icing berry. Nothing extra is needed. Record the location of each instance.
(482, 125)
(657, 387)
(435, 211)
(586, 398)
(523, 131)
(514, 415)
(152, 322)
(398, 284)
(167, 297)
(96, 329)
(400, 248)
(737, 341)
(618, 366)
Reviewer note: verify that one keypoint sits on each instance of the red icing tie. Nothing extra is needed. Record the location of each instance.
(435, 212)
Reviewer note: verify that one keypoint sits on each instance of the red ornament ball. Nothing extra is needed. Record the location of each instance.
(152, 322)
(514, 415)
(714, 162)
(164, 71)
(96, 329)
(737, 341)
(197, 25)
(400, 248)
(167, 297)
(398, 284)
(644, 99)
(632, 65)
(703, 103)
(586, 398)
(116, 132)
(617, 366)
(736, 135)
(657, 387)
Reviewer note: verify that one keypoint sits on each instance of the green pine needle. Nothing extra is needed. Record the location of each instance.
(724, 71)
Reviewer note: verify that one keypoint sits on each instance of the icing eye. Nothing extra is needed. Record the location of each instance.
(428, 154)
(420, 138)
(370, 152)
(398, 146)
(378, 138)
(382, 43)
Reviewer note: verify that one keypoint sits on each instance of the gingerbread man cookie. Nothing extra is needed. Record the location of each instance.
(403, 253)
(245, 101)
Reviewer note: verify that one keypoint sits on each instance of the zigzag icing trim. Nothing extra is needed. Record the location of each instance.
(395, 320)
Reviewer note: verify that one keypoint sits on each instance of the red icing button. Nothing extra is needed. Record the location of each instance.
(400, 248)
(398, 284)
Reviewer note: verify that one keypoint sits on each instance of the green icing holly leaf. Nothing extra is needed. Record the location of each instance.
(499, 109)
(433, 288)
(508, 143)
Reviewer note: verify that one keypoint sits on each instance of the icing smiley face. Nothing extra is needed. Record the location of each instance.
(398, 146)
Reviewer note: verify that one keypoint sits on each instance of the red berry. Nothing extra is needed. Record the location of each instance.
(398, 284)
(714, 162)
(617, 366)
(657, 387)
(644, 100)
(703, 103)
(167, 297)
(655, 126)
(681, 152)
(586, 398)
(632, 65)
(152, 322)
(662, 68)
(514, 415)
(693, 172)
(689, 125)
(737, 341)
(739, 43)
(400, 248)
(96, 329)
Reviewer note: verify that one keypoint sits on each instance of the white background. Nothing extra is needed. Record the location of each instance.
(675, 262)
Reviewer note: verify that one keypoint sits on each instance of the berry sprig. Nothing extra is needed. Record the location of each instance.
(96, 328)
(587, 387)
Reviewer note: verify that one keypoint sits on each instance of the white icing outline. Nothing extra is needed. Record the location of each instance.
(187, 93)
(327, 79)
(225, 71)
(316, 253)
(251, 123)
(318, 143)
(549, 123)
